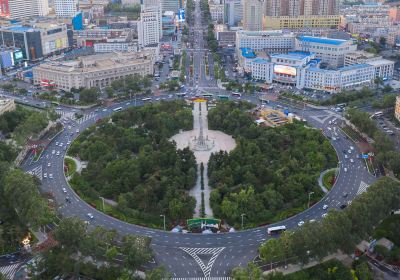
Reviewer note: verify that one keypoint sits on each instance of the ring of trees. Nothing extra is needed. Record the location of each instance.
(132, 162)
(269, 174)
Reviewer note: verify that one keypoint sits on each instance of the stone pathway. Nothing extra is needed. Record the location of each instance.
(212, 141)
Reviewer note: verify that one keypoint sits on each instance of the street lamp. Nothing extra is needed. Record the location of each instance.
(102, 199)
(162, 215)
(242, 219)
(309, 195)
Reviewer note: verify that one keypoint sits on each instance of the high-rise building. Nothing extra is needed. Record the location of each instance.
(153, 6)
(149, 26)
(171, 5)
(24, 8)
(253, 15)
(4, 8)
(293, 8)
(66, 8)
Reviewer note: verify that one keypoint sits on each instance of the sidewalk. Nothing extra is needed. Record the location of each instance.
(321, 183)
(291, 268)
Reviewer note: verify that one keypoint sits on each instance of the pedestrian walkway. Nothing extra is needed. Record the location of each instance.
(85, 118)
(291, 268)
(10, 270)
(37, 171)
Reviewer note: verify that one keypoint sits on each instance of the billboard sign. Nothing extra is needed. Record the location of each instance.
(7, 59)
(18, 56)
(284, 69)
(181, 15)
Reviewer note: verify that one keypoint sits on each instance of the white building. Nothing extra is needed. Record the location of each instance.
(94, 71)
(301, 70)
(115, 47)
(270, 41)
(383, 68)
(253, 15)
(171, 5)
(217, 12)
(330, 51)
(66, 8)
(126, 3)
(149, 32)
(28, 8)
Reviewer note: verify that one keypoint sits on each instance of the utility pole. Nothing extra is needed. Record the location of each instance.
(309, 196)
(162, 215)
(242, 219)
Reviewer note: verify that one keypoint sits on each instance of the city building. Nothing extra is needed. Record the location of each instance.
(275, 41)
(37, 40)
(171, 5)
(65, 8)
(115, 47)
(302, 21)
(358, 57)
(20, 9)
(226, 38)
(126, 3)
(253, 15)
(383, 68)
(302, 70)
(397, 108)
(10, 57)
(330, 51)
(98, 70)
(6, 105)
(294, 14)
(217, 12)
(149, 31)
(88, 37)
(394, 14)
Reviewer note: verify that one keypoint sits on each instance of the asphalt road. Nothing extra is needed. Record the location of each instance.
(197, 255)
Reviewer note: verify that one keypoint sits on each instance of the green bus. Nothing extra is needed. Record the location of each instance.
(223, 97)
(207, 95)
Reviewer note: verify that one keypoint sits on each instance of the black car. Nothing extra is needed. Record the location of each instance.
(343, 206)
(345, 194)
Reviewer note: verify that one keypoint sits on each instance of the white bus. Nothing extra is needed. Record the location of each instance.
(377, 114)
(276, 230)
(146, 99)
(117, 109)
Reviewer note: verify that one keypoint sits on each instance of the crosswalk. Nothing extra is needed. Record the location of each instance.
(10, 270)
(65, 115)
(37, 171)
(362, 188)
(205, 267)
(85, 118)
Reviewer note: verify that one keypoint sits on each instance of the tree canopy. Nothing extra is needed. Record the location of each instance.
(270, 170)
(132, 161)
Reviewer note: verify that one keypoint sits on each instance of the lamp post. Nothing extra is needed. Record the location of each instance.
(242, 215)
(162, 215)
(102, 199)
(309, 196)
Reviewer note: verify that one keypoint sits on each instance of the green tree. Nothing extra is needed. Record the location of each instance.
(158, 273)
(363, 272)
(251, 272)
(70, 233)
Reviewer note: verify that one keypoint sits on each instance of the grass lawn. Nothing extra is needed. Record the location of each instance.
(38, 154)
(329, 179)
(71, 166)
(351, 133)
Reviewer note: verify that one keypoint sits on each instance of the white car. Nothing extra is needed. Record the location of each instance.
(77, 131)
(300, 223)
(49, 164)
(64, 190)
(90, 215)
(53, 152)
(128, 103)
(351, 148)
(51, 176)
(45, 175)
(69, 142)
(351, 160)
(324, 215)
(349, 151)
(58, 153)
(61, 144)
(56, 143)
(345, 169)
(325, 207)
(104, 110)
(346, 156)
(312, 220)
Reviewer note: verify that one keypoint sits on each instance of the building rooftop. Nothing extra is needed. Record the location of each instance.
(354, 67)
(19, 28)
(261, 60)
(378, 62)
(322, 40)
(248, 53)
(293, 55)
